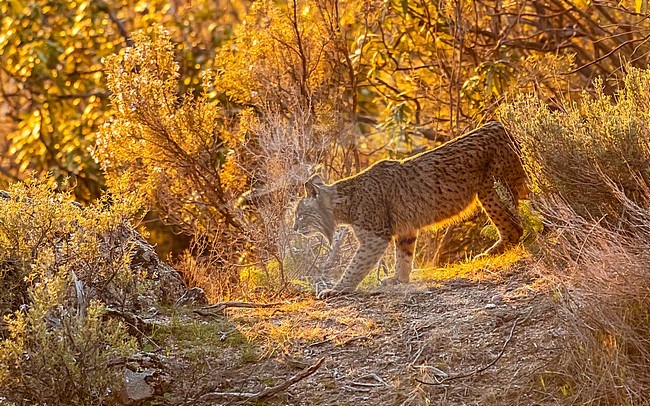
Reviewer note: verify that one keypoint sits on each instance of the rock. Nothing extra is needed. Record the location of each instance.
(496, 299)
(490, 306)
(146, 375)
(144, 258)
(193, 297)
(136, 388)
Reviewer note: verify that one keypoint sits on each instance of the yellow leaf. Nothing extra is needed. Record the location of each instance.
(18, 6)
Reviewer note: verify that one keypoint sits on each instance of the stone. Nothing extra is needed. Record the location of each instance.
(136, 388)
(193, 297)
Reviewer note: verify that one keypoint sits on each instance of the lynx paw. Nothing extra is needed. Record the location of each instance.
(326, 293)
(393, 281)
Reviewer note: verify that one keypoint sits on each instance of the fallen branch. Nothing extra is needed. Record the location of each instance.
(325, 341)
(335, 336)
(366, 384)
(220, 307)
(356, 338)
(135, 325)
(133, 321)
(479, 370)
(268, 392)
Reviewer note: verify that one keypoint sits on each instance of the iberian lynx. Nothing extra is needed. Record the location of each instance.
(392, 199)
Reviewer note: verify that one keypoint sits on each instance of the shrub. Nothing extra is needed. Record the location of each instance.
(54, 356)
(60, 266)
(225, 181)
(581, 150)
(174, 152)
(589, 168)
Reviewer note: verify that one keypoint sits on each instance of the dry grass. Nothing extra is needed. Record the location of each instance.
(604, 296)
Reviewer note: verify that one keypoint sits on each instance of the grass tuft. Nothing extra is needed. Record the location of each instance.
(488, 268)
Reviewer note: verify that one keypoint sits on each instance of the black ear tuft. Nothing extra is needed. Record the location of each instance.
(314, 185)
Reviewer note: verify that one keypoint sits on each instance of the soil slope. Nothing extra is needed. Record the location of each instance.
(453, 340)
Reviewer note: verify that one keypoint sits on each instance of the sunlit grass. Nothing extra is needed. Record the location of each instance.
(490, 268)
(302, 322)
(196, 339)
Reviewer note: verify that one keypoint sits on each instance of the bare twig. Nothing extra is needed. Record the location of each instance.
(353, 389)
(325, 341)
(268, 392)
(136, 326)
(143, 327)
(356, 338)
(348, 341)
(376, 377)
(479, 370)
(366, 384)
(218, 308)
(333, 255)
(608, 54)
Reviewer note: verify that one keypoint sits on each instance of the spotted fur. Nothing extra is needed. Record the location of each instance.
(393, 199)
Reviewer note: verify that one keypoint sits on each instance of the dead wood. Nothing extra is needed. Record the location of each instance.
(218, 308)
(268, 392)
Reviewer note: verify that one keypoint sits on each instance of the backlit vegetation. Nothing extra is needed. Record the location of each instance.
(588, 162)
(208, 116)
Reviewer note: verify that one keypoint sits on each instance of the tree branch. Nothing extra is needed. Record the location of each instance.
(103, 6)
(608, 54)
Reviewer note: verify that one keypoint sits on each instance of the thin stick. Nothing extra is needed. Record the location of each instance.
(220, 307)
(248, 305)
(608, 54)
(268, 392)
(135, 324)
(479, 370)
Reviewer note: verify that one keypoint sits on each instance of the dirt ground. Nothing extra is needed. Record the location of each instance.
(455, 341)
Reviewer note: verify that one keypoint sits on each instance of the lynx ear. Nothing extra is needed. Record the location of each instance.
(314, 186)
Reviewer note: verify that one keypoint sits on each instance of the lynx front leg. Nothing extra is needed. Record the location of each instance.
(371, 248)
(404, 249)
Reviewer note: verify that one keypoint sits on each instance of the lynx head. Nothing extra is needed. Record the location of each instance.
(314, 212)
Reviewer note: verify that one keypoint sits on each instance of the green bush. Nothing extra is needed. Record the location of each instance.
(59, 266)
(588, 150)
(53, 356)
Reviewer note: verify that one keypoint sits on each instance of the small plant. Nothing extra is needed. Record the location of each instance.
(54, 356)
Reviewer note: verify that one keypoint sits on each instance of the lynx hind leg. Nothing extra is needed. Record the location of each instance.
(371, 248)
(506, 222)
(404, 249)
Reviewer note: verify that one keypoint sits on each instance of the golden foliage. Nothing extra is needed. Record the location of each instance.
(51, 73)
(169, 148)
